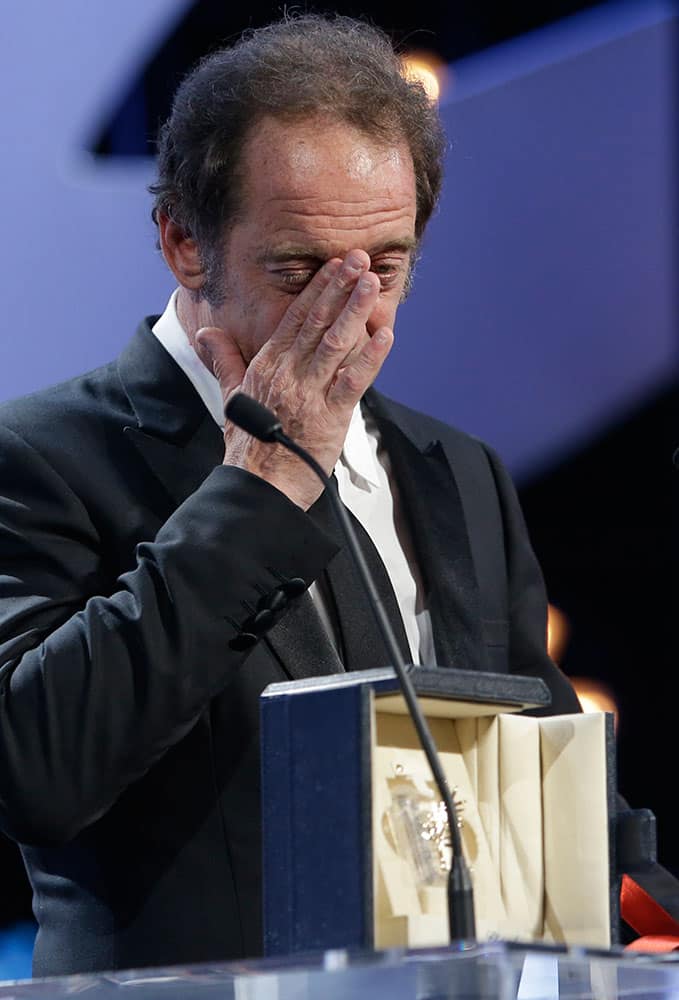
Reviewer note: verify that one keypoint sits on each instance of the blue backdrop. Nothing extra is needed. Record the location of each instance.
(544, 304)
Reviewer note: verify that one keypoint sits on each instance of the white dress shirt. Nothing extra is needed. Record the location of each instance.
(365, 485)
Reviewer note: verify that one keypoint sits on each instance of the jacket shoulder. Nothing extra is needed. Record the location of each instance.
(67, 408)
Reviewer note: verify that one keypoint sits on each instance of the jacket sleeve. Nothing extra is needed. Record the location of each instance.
(95, 686)
(527, 601)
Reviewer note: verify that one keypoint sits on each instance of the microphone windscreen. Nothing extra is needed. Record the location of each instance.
(251, 416)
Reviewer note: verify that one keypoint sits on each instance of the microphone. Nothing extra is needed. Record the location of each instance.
(257, 420)
(246, 413)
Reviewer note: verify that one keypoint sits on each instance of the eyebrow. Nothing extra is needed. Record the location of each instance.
(287, 253)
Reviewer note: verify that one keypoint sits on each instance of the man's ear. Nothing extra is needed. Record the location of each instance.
(181, 254)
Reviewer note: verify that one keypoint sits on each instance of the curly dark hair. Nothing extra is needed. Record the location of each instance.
(292, 69)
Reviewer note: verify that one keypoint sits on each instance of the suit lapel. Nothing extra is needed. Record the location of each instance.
(180, 468)
(180, 443)
(431, 500)
(173, 431)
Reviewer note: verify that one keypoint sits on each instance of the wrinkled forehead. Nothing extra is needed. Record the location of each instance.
(319, 159)
(351, 155)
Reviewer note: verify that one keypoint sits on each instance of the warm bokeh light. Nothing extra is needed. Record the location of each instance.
(431, 72)
(592, 695)
(558, 631)
(595, 696)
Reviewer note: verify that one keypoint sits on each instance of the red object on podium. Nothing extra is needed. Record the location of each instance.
(658, 930)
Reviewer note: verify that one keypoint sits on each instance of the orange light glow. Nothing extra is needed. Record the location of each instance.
(429, 70)
(595, 696)
(558, 631)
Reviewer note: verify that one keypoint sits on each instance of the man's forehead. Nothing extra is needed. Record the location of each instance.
(354, 155)
(298, 157)
(315, 190)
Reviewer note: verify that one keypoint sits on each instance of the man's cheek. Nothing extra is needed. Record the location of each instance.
(258, 328)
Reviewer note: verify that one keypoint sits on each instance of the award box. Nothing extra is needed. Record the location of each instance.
(355, 843)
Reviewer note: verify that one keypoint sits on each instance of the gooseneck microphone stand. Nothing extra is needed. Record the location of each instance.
(261, 423)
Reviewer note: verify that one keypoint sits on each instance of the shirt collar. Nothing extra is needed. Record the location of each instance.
(172, 336)
(359, 452)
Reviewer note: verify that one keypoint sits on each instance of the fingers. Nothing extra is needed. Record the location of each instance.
(316, 309)
(220, 354)
(353, 380)
(324, 312)
(324, 331)
(347, 333)
(298, 310)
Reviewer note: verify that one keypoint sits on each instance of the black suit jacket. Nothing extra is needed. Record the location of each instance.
(131, 562)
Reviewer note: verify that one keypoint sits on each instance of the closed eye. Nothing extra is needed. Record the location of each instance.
(296, 279)
(389, 268)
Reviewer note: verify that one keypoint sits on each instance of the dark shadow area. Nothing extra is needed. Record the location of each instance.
(451, 31)
(604, 525)
(15, 896)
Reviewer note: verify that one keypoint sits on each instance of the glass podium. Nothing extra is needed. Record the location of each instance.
(489, 971)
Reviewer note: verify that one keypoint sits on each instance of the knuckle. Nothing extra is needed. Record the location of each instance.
(296, 313)
(317, 318)
(355, 307)
(353, 381)
(343, 282)
(333, 341)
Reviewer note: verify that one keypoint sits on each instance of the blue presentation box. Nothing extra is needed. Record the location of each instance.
(353, 855)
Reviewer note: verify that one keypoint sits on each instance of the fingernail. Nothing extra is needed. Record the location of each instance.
(365, 285)
(352, 265)
(201, 339)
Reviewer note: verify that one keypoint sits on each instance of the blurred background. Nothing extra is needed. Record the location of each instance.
(544, 314)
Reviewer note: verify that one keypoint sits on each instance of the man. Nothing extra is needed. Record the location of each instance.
(156, 565)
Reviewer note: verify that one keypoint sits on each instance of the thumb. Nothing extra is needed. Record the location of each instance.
(221, 355)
